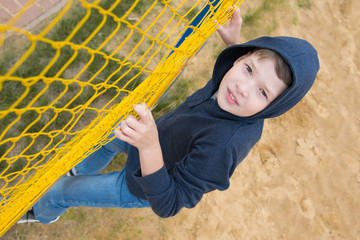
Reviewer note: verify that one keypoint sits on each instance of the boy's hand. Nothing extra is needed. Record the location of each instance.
(231, 34)
(141, 133)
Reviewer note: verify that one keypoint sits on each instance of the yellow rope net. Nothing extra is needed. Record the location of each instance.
(67, 84)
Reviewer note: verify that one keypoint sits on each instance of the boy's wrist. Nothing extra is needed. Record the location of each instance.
(148, 148)
(151, 159)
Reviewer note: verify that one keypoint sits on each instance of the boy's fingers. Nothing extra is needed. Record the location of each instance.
(220, 29)
(235, 20)
(230, 8)
(143, 111)
(140, 108)
(236, 12)
(132, 122)
(126, 129)
(120, 135)
(236, 17)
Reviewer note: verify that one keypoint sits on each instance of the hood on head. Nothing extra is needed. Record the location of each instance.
(298, 53)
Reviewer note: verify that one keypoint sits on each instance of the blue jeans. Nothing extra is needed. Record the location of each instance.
(88, 188)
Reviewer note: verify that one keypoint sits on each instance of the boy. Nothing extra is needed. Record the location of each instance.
(194, 149)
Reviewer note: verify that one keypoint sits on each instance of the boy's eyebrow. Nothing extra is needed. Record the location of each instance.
(255, 68)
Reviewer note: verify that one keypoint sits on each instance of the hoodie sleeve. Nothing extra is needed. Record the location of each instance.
(206, 168)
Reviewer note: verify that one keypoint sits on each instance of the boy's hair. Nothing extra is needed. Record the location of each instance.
(282, 68)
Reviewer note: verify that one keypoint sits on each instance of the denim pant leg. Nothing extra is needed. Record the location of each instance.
(103, 190)
(99, 159)
(89, 189)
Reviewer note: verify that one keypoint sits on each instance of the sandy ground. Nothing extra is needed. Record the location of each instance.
(302, 181)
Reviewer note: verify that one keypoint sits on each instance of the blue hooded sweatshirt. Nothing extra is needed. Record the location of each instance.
(203, 144)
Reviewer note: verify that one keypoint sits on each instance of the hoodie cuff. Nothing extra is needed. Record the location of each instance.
(155, 183)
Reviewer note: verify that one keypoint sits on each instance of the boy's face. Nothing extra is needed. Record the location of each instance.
(249, 86)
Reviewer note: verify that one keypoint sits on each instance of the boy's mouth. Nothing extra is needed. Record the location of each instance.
(231, 98)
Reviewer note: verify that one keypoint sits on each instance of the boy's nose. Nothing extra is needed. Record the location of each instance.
(243, 88)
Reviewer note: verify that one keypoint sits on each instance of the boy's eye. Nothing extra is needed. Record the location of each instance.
(263, 92)
(248, 68)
